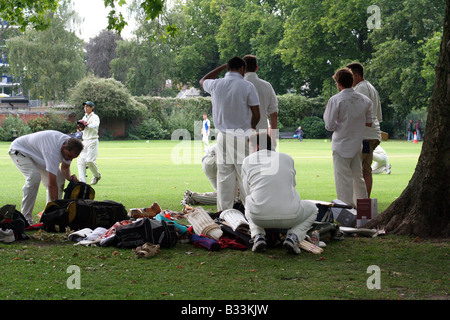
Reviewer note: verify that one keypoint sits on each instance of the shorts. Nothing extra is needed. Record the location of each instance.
(367, 158)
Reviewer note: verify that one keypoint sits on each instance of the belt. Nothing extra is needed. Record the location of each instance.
(17, 153)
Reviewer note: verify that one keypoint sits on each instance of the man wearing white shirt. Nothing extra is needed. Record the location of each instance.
(206, 128)
(372, 135)
(235, 108)
(347, 113)
(268, 101)
(39, 156)
(89, 125)
(271, 198)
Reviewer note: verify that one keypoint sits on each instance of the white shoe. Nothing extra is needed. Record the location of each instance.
(388, 168)
(96, 179)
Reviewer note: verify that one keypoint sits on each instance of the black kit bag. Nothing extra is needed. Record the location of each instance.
(12, 219)
(324, 213)
(146, 230)
(79, 190)
(82, 213)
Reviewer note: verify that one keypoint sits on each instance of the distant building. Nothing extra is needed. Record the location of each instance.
(189, 93)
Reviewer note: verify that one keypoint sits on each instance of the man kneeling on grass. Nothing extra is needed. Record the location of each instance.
(271, 198)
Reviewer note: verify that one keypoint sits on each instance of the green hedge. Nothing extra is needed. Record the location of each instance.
(165, 115)
(293, 109)
(170, 114)
(159, 117)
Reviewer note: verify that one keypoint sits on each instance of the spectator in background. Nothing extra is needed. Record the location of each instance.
(299, 134)
(410, 130)
(418, 131)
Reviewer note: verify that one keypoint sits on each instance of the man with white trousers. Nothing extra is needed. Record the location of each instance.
(206, 129)
(89, 124)
(235, 109)
(271, 198)
(39, 156)
(380, 161)
(347, 113)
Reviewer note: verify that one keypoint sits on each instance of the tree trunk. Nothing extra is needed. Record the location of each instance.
(423, 207)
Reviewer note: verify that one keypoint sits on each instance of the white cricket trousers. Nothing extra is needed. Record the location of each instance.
(298, 225)
(33, 177)
(348, 179)
(205, 139)
(379, 162)
(231, 151)
(87, 159)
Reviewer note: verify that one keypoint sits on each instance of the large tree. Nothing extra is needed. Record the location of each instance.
(100, 51)
(423, 207)
(48, 62)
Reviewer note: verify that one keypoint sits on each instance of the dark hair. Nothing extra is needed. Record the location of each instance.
(251, 62)
(74, 144)
(344, 77)
(236, 63)
(356, 67)
(262, 139)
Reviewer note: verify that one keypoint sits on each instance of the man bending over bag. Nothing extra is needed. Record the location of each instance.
(271, 198)
(38, 156)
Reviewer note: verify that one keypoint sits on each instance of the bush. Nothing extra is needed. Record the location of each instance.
(51, 121)
(292, 108)
(172, 113)
(112, 99)
(314, 128)
(11, 123)
(151, 129)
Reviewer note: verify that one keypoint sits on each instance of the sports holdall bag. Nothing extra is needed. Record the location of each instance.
(79, 190)
(11, 218)
(146, 230)
(82, 213)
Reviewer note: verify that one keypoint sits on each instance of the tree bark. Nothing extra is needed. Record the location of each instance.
(423, 208)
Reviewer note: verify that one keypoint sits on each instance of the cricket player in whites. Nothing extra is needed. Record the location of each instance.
(89, 125)
(206, 128)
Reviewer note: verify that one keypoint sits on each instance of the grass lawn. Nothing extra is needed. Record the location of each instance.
(137, 174)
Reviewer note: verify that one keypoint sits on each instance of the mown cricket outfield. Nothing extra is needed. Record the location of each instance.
(138, 173)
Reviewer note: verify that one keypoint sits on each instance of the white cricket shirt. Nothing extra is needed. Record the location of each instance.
(44, 147)
(347, 114)
(232, 97)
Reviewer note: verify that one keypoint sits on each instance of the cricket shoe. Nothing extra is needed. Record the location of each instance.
(291, 244)
(96, 179)
(388, 168)
(259, 243)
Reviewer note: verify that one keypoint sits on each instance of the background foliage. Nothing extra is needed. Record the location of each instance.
(299, 44)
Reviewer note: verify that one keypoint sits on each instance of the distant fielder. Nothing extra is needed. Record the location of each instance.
(89, 125)
(206, 128)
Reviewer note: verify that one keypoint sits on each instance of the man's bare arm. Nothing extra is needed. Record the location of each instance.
(255, 116)
(213, 74)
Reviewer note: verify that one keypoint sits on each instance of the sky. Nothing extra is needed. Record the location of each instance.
(95, 15)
